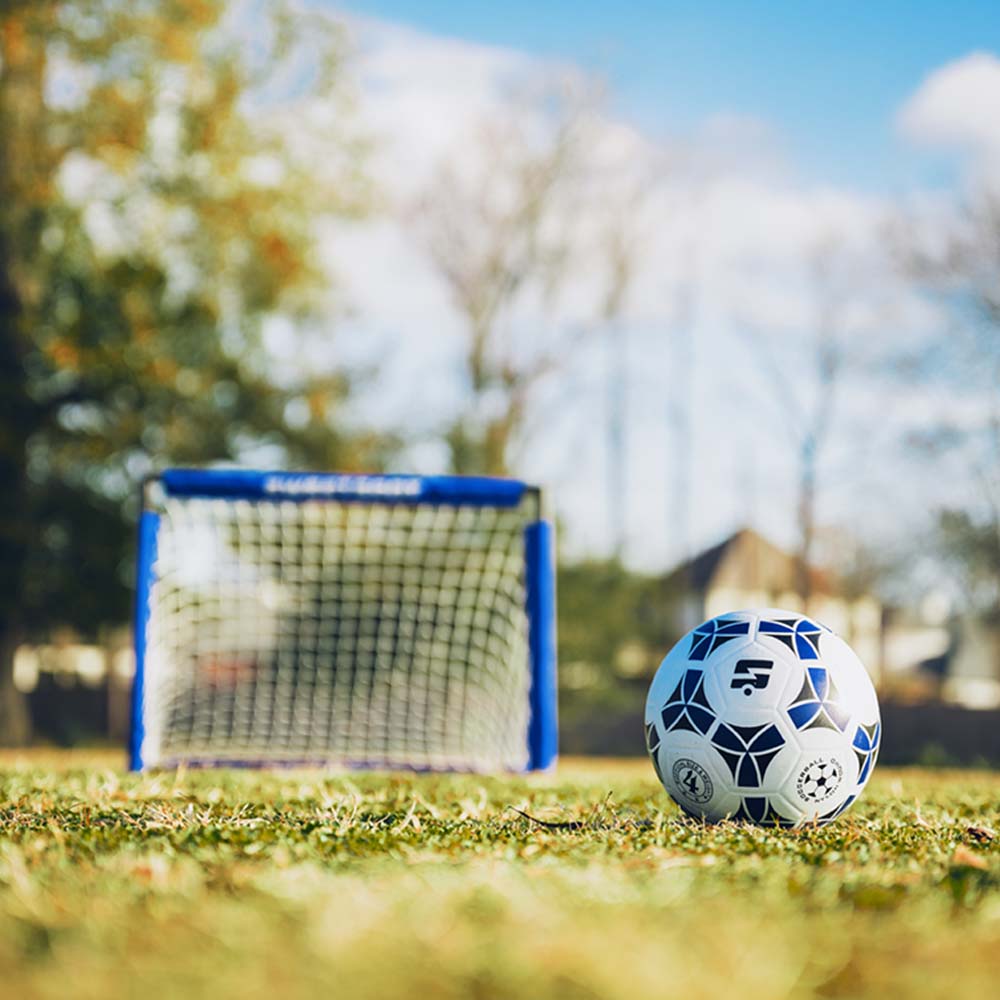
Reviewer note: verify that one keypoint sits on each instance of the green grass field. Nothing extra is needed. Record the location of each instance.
(218, 884)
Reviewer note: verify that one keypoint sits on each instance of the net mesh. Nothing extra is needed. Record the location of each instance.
(318, 631)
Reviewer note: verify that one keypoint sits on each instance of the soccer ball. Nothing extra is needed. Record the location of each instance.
(764, 716)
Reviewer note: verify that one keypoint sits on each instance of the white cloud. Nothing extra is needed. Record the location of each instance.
(420, 94)
(729, 220)
(958, 106)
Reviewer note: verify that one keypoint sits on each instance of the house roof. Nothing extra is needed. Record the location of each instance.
(745, 559)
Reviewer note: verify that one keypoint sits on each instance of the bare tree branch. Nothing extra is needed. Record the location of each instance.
(500, 231)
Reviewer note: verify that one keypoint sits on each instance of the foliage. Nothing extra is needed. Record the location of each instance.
(961, 276)
(611, 622)
(222, 884)
(613, 630)
(155, 217)
(973, 545)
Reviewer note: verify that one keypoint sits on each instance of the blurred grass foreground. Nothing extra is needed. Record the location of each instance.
(369, 886)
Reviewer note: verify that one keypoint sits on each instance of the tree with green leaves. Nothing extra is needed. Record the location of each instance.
(158, 192)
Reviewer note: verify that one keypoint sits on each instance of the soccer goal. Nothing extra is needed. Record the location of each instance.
(354, 620)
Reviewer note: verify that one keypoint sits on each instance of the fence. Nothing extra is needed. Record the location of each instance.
(931, 733)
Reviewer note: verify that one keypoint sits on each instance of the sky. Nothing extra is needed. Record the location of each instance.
(829, 78)
(800, 127)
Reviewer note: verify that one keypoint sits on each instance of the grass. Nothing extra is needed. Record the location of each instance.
(218, 884)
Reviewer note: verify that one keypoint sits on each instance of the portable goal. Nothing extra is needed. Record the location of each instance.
(354, 620)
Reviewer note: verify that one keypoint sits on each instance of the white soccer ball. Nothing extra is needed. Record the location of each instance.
(764, 716)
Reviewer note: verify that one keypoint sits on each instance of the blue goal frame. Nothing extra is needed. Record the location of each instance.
(542, 736)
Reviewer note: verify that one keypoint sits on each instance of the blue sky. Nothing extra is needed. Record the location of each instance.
(794, 119)
(827, 78)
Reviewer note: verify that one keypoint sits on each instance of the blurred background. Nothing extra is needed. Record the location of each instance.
(725, 278)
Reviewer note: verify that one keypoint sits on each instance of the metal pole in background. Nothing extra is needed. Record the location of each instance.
(680, 419)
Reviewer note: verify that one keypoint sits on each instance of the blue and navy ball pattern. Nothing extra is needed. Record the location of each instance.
(688, 707)
(865, 744)
(817, 704)
(757, 809)
(709, 637)
(800, 635)
(749, 751)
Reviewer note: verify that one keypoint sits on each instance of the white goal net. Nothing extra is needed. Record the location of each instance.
(332, 630)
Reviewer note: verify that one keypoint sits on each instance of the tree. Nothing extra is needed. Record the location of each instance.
(499, 229)
(154, 218)
(956, 262)
(624, 191)
(604, 607)
(972, 544)
(806, 396)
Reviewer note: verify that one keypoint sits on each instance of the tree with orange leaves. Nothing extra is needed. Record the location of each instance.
(158, 193)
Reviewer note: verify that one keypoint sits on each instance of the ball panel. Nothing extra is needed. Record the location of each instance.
(854, 682)
(763, 810)
(711, 636)
(665, 679)
(865, 744)
(693, 780)
(751, 680)
(756, 758)
(787, 812)
(819, 786)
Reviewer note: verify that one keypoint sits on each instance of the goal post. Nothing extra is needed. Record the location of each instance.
(384, 621)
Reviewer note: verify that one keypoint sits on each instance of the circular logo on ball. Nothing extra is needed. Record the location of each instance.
(692, 781)
(819, 779)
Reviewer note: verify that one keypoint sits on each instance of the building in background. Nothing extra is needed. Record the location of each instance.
(972, 673)
(79, 690)
(746, 571)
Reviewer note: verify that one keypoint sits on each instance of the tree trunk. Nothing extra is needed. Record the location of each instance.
(15, 718)
(17, 418)
(807, 521)
(495, 444)
(17, 421)
(24, 169)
